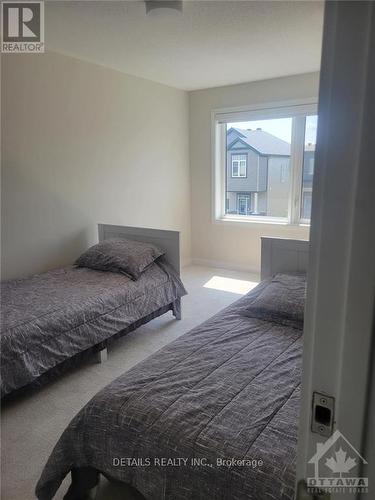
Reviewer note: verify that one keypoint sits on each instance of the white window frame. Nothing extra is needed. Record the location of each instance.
(298, 109)
(239, 165)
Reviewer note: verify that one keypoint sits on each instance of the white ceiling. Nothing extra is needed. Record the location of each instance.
(212, 43)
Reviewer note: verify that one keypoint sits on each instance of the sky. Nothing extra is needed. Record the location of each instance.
(281, 127)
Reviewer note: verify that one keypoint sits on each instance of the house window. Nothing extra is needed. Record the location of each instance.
(239, 165)
(264, 164)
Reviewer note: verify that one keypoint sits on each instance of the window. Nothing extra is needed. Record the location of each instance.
(239, 165)
(264, 164)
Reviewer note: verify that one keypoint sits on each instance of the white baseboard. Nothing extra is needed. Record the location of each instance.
(225, 265)
(186, 262)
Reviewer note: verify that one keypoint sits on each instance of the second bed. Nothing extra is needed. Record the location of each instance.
(212, 415)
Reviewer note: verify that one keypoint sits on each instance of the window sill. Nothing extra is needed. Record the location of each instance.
(264, 221)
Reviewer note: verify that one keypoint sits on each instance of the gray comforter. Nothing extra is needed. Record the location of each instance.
(227, 390)
(50, 317)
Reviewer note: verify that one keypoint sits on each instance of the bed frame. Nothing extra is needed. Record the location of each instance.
(168, 241)
(280, 255)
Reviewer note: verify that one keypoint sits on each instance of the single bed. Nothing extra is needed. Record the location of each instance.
(213, 415)
(54, 318)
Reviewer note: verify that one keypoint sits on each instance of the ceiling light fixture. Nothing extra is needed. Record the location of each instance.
(163, 4)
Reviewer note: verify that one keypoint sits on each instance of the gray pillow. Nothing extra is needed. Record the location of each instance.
(121, 256)
(282, 301)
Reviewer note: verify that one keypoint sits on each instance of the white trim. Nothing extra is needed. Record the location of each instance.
(255, 219)
(265, 110)
(218, 135)
(221, 264)
(186, 262)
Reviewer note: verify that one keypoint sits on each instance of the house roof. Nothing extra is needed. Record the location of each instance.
(263, 142)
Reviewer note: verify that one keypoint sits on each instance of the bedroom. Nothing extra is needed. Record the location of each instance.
(137, 118)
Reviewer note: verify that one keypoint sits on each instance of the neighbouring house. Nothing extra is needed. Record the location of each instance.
(258, 174)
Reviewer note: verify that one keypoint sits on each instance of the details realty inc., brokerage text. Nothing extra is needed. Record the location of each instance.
(185, 462)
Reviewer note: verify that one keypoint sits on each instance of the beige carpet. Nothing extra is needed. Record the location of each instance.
(32, 424)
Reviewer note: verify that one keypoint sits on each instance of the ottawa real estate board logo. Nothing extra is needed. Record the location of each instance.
(22, 27)
(337, 465)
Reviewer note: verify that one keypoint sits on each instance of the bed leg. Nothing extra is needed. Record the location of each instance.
(101, 356)
(84, 484)
(93, 493)
(176, 309)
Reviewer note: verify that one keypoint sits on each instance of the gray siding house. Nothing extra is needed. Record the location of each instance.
(257, 173)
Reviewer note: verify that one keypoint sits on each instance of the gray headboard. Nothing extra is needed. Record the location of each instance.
(283, 255)
(168, 241)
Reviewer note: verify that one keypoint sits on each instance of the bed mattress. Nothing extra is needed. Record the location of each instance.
(189, 422)
(51, 317)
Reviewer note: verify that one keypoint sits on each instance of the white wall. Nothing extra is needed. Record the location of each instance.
(84, 144)
(228, 244)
